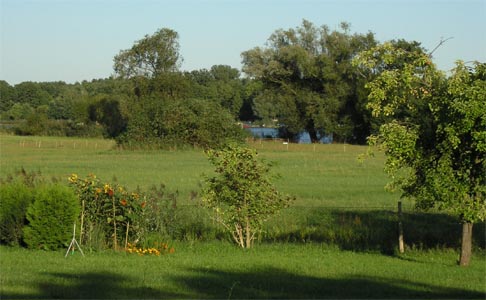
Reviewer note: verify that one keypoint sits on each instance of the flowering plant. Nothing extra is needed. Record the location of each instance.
(157, 249)
(110, 208)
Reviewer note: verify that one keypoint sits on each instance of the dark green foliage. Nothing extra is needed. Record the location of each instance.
(178, 123)
(108, 113)
(15, 197)
(367, 230)
(51, 217)
(308, 82)
(7, 96)
(35, 123)
(31, 93)
(58, 128)
(221, 84)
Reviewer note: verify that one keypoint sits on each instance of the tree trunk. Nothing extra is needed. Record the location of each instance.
(313, 134)
(248, 232)
(401, 246)
(466, 244)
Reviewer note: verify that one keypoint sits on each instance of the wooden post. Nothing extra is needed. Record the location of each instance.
(126, 236)
(401, 247)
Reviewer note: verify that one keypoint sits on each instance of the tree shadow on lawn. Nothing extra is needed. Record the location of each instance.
(377, 230)
(262, 283)
(279, 284)
(91, 285)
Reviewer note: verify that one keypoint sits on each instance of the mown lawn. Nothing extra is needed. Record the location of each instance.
(220, 270)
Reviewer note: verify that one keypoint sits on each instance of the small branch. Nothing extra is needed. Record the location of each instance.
(441, 42)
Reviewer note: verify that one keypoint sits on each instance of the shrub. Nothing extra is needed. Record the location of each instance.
(15, 197)
(51, 217)
(241, 195)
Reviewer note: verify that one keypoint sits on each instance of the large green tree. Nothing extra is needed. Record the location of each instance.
(220, 84)
(435, 132)
(151, 56)
(7, 96)
(308, 80)
(32, 94)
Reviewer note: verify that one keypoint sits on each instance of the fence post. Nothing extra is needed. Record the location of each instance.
(401, 247)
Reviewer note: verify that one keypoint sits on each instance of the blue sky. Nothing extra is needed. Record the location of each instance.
(75, 40)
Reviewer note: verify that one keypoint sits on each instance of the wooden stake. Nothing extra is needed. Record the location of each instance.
(126, 235)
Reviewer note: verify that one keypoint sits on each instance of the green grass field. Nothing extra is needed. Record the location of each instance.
(320, 175)
(330, 244)
(220, 271)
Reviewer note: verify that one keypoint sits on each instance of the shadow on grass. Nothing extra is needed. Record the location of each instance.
(275, 283)
(375, 230)
(92, 285)
(263, 283)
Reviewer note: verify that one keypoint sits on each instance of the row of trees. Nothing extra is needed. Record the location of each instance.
(303, 79)
(110, 105)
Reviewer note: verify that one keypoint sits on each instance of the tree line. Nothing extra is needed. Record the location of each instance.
(302, 80)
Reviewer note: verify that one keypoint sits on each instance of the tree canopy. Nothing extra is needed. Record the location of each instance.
(151, 56)
(434, 136)
(307, 76)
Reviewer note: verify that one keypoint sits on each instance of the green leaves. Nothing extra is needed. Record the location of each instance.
(308, 80)
(241, 194)
(151, 56)
(434, 136)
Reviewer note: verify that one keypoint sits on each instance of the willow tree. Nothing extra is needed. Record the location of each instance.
(435, 134)
(308, 82)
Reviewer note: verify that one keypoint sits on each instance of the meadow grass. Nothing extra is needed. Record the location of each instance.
(317, 175)
(222, 271)
(341, 205)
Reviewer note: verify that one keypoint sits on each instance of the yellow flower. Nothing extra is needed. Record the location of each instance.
(73, 178)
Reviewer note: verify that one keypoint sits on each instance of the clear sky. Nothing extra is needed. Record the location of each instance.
(75, 40)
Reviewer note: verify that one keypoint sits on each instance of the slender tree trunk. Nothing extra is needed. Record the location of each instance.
(248, 233)
(82, 224)
(114, 226)
(401, 246)
(466, 244)
(239, 231)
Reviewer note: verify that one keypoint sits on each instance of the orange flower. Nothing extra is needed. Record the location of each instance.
(143, 204)
(123, 202)
(172, 250)
(111, 192)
